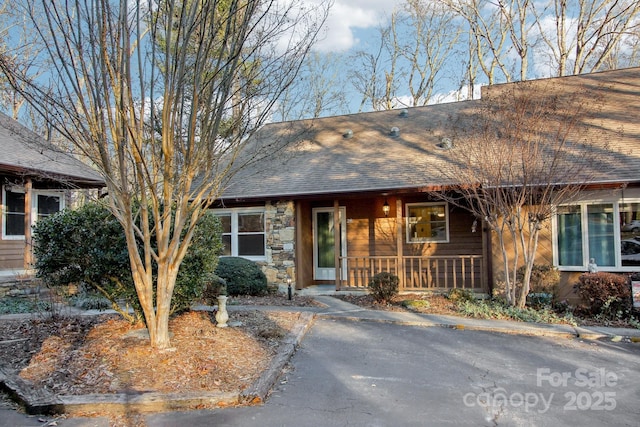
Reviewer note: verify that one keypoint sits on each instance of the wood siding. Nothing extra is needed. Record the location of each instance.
(11, 254)
(370, 234)
(372, 246)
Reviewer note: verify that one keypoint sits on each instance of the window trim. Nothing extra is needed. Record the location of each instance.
(234, 212)
(584, 218)
(34, 206)
(422, 240)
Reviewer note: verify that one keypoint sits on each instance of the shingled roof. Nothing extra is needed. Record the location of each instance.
(27, 153)
(360, 152)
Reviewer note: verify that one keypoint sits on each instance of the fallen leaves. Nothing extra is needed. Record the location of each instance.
(75, 356)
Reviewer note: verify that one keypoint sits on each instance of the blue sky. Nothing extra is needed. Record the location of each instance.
(353, 25)
(350, 20)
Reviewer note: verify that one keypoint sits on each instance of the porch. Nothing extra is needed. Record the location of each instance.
(416, 273)
(428, 245)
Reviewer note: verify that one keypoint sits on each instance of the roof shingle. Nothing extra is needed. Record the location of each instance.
(25, 152)
(313, 157)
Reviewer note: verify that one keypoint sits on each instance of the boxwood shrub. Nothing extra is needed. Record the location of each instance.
(243, 277)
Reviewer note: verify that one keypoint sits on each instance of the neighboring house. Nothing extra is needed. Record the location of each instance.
(36, 179)
(342, 198)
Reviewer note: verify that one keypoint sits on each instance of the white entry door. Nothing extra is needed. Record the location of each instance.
(324, 243)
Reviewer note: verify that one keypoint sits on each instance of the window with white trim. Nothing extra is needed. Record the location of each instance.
(44, 203)
(607, 232)
(427, 222)
(12, 214)
(243, 232)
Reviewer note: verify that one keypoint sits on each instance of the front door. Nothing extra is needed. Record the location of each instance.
(324, 244)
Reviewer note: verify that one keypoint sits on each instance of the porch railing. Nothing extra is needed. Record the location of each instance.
(416, 272)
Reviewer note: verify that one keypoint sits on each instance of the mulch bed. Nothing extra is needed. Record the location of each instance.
(105, 354)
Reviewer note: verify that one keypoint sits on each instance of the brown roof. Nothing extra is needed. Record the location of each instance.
(314, 157)
(27, 153)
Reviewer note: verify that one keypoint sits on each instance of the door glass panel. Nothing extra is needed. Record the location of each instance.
(326, 240)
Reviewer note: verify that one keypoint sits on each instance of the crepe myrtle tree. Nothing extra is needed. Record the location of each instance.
(522, 151)
(161, 96)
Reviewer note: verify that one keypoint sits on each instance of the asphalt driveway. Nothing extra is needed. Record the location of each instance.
(361, 373)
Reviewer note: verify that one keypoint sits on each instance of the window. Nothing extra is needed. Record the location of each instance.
(13, 221)
(47, 205)
(427, 222)
(629, 220)
(13, 218)
(569, 236)
(243, 233)
(608, 232)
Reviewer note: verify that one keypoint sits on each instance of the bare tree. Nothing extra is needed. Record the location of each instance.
(161, 95)
(515, 157)
(319, 90)
(15, 31)
(516, 21)
(589, 33)
(488, 35)
(410, 54)
(508, 40)
(426, 35)
(373, 73)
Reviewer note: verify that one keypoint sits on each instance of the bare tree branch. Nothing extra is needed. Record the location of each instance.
(161, 95)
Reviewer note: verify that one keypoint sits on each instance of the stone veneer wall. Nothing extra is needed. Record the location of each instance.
(280, 235)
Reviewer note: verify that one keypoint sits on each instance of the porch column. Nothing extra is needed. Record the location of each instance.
(28, 252)
(337, 242)
(399, 243)
(299, 256)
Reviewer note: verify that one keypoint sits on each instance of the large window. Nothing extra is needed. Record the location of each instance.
(243, 233)
(427, 222)
(44, 203)
(607, 232)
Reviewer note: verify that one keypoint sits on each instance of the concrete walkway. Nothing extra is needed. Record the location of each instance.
(334, 308)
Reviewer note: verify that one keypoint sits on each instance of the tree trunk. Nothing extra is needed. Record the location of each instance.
(529, 261)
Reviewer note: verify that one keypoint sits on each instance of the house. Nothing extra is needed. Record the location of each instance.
(338, 199)
(36, 180)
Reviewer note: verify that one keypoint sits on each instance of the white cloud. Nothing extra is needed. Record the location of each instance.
(346, 15)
